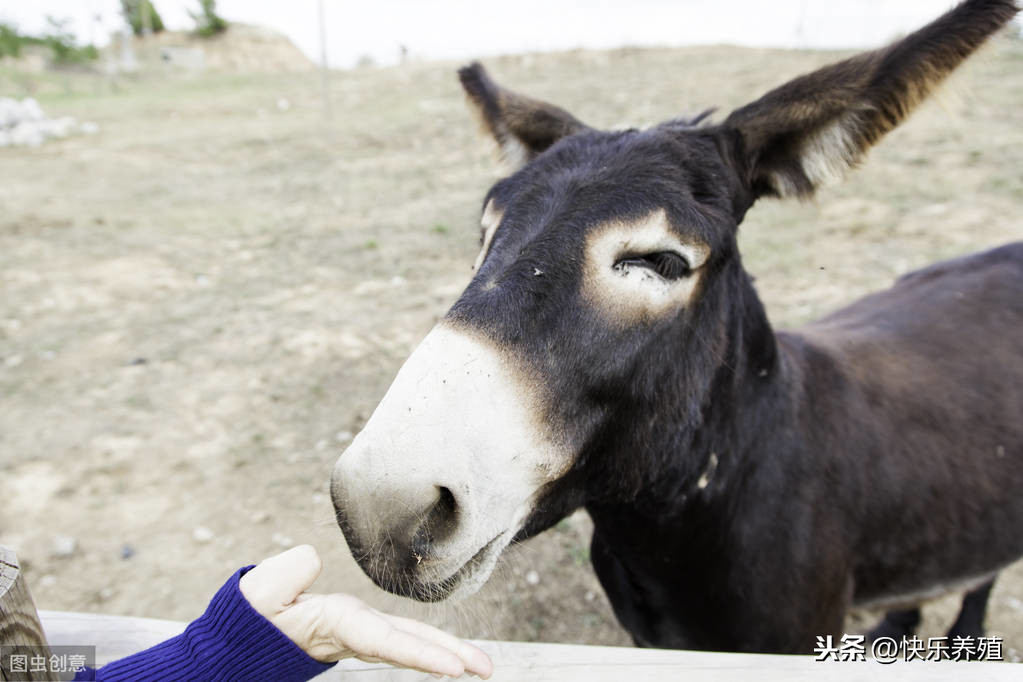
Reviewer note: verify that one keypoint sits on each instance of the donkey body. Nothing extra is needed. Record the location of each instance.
(611, 353)
(860, 472)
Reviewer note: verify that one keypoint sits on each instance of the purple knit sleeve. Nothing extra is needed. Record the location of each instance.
(231, 641)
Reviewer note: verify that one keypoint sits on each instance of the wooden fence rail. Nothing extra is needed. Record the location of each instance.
(118, 636)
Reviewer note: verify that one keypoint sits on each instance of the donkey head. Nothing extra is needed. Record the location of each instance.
(609, 309)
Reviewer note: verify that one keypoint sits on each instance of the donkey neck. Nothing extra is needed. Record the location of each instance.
(753, 438)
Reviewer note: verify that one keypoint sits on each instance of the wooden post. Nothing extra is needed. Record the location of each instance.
(19, 622)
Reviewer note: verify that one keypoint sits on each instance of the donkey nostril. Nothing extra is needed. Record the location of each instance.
(446, 509)
(441, 519)
(437, 524)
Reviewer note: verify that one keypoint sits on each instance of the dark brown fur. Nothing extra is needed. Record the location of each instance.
(886, 414)
(511, 117)
(875, 91)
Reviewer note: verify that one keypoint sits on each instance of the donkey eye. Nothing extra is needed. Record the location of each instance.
(667, 264)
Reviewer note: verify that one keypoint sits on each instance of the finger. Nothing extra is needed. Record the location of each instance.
(329, 627)
(407, 650)
(475, 659)
(278, 580)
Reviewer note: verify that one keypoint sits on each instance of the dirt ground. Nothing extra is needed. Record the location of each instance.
(202, 303)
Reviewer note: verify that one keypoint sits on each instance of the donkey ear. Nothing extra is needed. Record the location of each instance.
(817, 126)
(522, 126)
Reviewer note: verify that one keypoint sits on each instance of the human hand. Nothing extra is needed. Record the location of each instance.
(330, 627)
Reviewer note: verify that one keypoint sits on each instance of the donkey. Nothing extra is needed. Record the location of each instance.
(746, 487)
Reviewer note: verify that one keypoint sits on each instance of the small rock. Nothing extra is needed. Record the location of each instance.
(344, 436)
(202, 534)
(318, 499)
(31, 111)
(321, 445)
(282, 540)
(283, 104)
(532, 578)
(89, 127)
(260, 517)
(590, 595)
(26, 134)
(13, 360)
(60, 127)
(397, 281)
(64, 546)
(106, 593)
(127, 551)
(47, 580)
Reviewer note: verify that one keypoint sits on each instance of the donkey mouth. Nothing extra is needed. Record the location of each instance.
(464, 581)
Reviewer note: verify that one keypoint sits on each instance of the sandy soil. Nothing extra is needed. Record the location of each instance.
(202, 303)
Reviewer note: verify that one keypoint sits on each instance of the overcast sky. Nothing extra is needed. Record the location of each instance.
(468, 28)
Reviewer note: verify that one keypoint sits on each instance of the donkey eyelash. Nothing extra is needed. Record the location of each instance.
(667, 264)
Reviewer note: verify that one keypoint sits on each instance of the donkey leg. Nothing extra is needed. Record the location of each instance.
(896, 624)
(970, 622)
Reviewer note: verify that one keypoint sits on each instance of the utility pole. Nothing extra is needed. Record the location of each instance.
(147, 19)
(93, 19)
(324, 73)
(128, 62)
